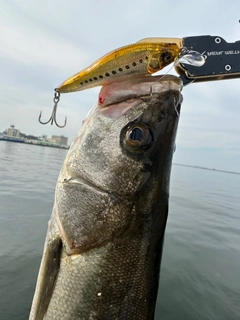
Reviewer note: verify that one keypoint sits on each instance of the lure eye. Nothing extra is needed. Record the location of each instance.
(167, 57)
(138, 137)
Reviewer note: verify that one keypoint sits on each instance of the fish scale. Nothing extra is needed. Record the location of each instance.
(97, 294)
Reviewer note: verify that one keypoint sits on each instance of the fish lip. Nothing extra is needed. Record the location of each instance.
(131, 98)
(90, 184)
(83, 181)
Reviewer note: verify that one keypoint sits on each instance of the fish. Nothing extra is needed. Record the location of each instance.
(145, 57)
(103, 248)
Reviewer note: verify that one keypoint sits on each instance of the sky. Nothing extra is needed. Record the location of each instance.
(42, 43)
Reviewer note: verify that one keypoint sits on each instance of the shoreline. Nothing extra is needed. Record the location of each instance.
(37, 143)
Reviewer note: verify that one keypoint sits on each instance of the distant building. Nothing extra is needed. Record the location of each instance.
(43, 138)
(14, 135)
(12, 132)
(59, 140)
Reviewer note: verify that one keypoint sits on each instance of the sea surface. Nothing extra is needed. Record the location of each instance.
(200, 274)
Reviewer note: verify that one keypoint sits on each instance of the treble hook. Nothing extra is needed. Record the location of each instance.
(56, 99)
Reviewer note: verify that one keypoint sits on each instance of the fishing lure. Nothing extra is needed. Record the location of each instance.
(144, 57)
(147, 56)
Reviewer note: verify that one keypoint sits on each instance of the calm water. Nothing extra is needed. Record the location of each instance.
(200, 277)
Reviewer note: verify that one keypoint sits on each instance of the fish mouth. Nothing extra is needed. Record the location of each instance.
(135, 88)
(117, 98)
(83, 181)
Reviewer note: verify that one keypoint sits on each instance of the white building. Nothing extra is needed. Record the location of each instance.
(59, 140)
(12, 132)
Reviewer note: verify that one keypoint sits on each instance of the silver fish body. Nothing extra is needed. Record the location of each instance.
(103, 248)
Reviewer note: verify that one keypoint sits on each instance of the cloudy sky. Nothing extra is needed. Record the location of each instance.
(44, 42)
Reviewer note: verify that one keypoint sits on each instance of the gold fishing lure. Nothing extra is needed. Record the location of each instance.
(144, 57)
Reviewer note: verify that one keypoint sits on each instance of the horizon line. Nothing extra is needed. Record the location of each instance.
(205, 168)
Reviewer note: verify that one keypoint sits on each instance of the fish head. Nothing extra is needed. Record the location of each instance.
(123, 139)
(120, 159)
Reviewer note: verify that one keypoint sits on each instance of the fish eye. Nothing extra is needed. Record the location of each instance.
(138, 137)
(136, 134)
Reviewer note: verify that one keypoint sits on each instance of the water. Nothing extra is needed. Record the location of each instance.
(200, 276)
